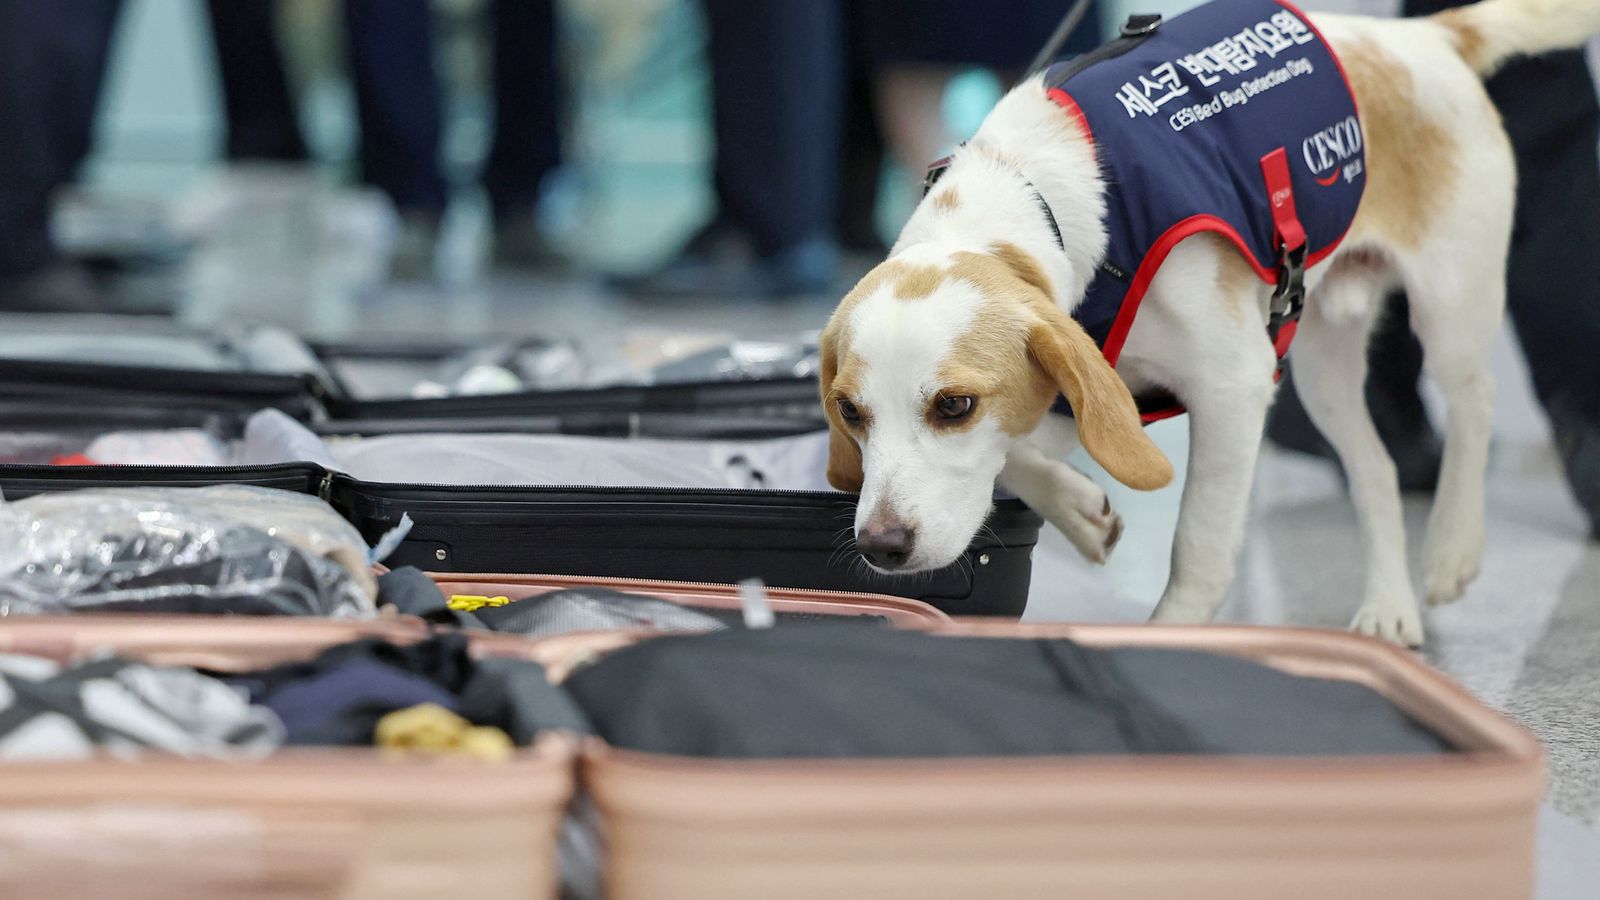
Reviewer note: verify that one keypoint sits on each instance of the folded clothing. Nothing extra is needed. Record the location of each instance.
(229, 549)
(570, 610)
(119, 706)
(592, 609)
(339, 697)
(815, 691)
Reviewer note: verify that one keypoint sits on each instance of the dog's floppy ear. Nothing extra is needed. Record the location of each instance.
(1108, 419)
(844, 456)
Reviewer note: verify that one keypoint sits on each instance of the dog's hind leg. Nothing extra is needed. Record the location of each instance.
(1330, 368)
(1456, 310)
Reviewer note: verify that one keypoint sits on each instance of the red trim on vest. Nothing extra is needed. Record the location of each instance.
(1152, 261)
(1065, 101)
(1171, 412)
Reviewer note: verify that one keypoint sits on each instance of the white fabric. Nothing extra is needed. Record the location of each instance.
(176, 447)
(794, 463)
(512, 459)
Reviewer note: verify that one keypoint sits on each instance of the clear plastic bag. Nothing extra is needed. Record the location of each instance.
(230, 549)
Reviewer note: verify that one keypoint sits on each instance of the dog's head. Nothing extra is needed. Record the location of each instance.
(931, 368)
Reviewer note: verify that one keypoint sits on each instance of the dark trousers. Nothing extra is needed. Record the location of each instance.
(777, 91)
(1553, 117)
(52, 61)
(1551, 112)
(390, 48)
(527, 105)
(257, 106)
(397, 101)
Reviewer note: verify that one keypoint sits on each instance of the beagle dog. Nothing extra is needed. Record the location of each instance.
(940, 368)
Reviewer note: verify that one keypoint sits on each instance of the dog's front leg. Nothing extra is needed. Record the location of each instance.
(1225, 425)
(1064, 496)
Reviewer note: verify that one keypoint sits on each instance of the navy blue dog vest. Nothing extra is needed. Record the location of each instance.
(1233, 118)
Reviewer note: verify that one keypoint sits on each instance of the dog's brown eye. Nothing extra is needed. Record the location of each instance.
(954, 407)
(848, 411)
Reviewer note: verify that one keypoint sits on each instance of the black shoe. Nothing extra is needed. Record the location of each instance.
(714, 266)
(1577, 433)
(63, 287)
(1402, 424)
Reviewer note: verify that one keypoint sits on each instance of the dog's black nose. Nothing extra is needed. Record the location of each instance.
(886, 545)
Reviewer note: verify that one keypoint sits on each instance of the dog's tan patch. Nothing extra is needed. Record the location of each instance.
(1023, 265)
(914, 282)
(844, 471)
(1465, 37)
(946, 200)
(990, 360)
(1236, 281)
(1412, 161)
(840, 378)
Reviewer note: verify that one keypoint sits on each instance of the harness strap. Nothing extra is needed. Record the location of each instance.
(1288, 298)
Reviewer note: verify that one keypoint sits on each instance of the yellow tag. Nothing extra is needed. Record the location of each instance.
(471, 602)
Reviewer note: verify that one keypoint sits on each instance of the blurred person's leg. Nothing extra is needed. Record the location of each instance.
(398, 109)
(1551, 112)
(256, 103)
(527, 126)
(861, 152)
(53, 59)
(911, 100)
(777, 71)
(917, 46)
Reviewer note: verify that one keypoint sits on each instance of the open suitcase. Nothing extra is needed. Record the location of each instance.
(713, 409)
(333, 822)
(1454, 825)
(326, 822)
(156, 363)
(789, 539)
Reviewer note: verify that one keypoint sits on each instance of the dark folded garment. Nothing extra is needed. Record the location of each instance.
(845, 692)
(338, 697)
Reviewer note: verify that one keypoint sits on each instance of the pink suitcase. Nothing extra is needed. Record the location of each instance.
(332, 823)
(1224, 828)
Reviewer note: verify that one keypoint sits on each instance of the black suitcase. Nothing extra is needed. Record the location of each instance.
(793, 539)
(721, 409)
(130, 362)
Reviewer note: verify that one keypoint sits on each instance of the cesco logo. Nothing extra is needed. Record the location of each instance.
(1334, 151)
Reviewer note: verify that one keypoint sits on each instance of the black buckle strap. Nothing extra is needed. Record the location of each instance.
(1289, 297)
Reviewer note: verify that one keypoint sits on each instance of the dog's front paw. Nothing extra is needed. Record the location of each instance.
(1094, 533)
(1396, 620)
